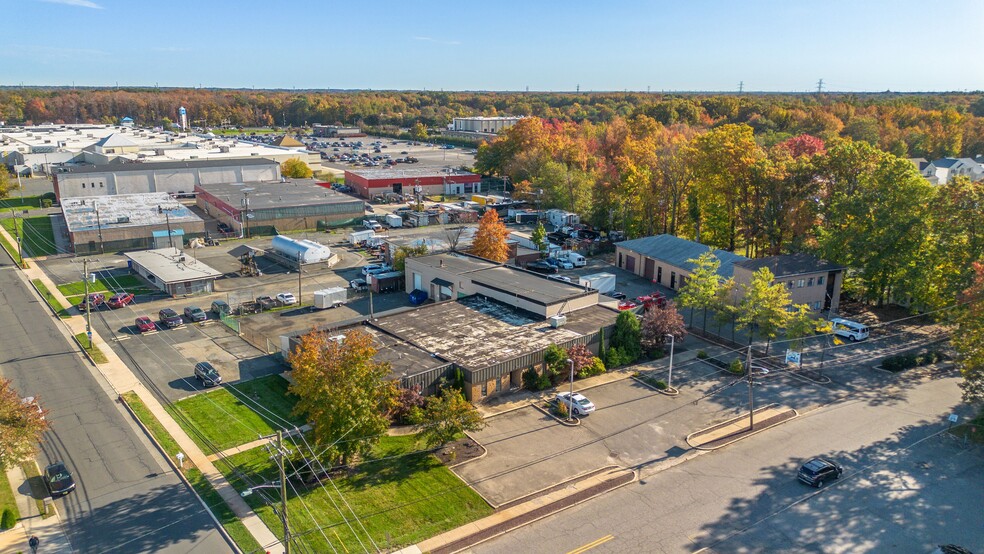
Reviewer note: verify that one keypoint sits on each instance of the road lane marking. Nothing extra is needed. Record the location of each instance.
(591, 545)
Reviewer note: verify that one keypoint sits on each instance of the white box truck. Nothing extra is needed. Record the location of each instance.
(329, 298)
(361, 236)
(601, 282)
(561, 218)
(394, 220)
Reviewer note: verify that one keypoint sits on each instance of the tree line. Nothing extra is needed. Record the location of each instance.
(920, 125)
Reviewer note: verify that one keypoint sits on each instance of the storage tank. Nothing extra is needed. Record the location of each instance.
(305, 251)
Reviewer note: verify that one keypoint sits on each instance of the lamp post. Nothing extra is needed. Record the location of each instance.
(246, 215)
(669, 377)
(570, 398)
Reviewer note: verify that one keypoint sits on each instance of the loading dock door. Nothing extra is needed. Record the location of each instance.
(398, 188)
(650, 268)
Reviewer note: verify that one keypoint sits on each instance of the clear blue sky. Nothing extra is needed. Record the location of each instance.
(781, 45)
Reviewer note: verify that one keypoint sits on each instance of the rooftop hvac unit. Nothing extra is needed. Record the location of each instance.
(123, 219)
(337, 338)
(557, 321)
(181, 259)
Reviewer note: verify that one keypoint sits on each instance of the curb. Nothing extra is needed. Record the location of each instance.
(485, 452)
(732, 420)
(560, 484)
(175, 469)
(565, 423)
(669, 391)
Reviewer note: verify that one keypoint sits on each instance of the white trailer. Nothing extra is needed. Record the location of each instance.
(601, 282)
(329, 298)
(523, 239)
(357, 237)
(394, 220)
(560, 218)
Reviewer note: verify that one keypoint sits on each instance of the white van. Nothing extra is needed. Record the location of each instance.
(577, 259)
(848, 329)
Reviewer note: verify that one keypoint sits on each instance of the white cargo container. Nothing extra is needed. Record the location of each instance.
(329, 298)
(601, 282)
(560, 218)
(523, 239)
(394, 220)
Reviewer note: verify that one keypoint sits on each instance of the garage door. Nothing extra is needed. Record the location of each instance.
(650, 271)
(630, 263)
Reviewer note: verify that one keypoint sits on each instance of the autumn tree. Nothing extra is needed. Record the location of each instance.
(625, 345)
(762, 309)
(446, 416)
(800, 325)
(401, 254)
(539, 237)
(969, 336)
(7, 183)
(295, 168)
(660, 321)
(22, 426)
(341, 391)
(418, 131)
(702, 285)
(490, 239)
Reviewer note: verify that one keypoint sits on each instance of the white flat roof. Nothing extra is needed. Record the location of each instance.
(124, 210)
(171, 265)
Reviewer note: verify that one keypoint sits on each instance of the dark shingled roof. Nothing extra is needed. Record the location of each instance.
(790, 264)
(676, 251)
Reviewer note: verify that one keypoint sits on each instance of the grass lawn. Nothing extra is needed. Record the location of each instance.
(51, 300)
(38, 491)
(7, 496)
(94, 352)
(230, 522)
(130, 283)
(972, 430)
(18, 203)
(38, 236)
(229, 416)
(11, 249)
(400, 501)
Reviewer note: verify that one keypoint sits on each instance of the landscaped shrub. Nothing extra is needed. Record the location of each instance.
(560, 409)
(8, 520)
(530, 378)
(736, 367)
(701, 355)
(596, 367)
(408, 407)
(544, 382)
(901, 362)
(660, 384)
(615, 357)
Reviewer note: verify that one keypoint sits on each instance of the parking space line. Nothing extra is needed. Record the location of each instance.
(592, 544)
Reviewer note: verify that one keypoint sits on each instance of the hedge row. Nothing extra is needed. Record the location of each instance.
(901, 362)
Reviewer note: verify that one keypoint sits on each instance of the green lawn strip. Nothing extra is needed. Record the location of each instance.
(973, 429)
(130, 283)
(55, 304)
(230, 418)
(38, 235)
(11, 249)
(400, 501)
(20, 203)
(209, 495)
(7, 499)
(95, 353)
(38, 491)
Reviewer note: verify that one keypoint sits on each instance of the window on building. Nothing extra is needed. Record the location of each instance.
(789, 284)
(809, 282)
(816, 305)
(485, 389)
(100, 184)
(819, 280)
(83, 185)
(800, 283)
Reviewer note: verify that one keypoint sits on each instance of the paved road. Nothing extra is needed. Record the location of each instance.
(745, 498)
(127, 500)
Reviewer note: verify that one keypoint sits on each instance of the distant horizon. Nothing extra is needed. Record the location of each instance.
(766, 46)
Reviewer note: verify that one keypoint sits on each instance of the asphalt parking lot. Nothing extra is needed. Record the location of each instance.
(427, 156)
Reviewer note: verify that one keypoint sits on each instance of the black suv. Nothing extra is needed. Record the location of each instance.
(58, 479)
(818, 471)
(170, 318)
(541, 267)
(207, 374)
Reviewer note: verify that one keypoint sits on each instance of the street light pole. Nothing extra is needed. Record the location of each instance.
(669, 377)
(751, 397)
(87, 300)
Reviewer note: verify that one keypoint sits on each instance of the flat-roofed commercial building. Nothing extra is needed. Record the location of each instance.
(173, 271)
(293, 205)
(128, 222)
(370, 183)
(484, 125)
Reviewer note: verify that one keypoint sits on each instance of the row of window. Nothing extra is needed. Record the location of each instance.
(800, 283)
(93, 185)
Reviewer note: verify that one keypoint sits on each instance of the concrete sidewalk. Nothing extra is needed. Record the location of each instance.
(122, 379)
(48, 530)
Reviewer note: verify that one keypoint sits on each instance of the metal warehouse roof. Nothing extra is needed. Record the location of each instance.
(410, 173)
(294, 192)
(124, 210)
(676, 251)
(158, 166)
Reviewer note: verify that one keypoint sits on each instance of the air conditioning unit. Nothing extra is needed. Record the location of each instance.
(337, 338)
(557, 321)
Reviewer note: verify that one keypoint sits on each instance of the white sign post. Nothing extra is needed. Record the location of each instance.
(792, 357)
(181, 459)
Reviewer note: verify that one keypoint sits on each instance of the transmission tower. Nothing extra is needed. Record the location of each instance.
(741, 86)
(819, 86)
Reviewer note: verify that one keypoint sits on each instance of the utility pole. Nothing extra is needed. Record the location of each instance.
(87, 300)
(741, 86)
(283, 490)
(819, 86)
(20, 252)
(751, 388)
(570, 399)
(669, 378)
(300, 300)
(167, 221)
(99, 228)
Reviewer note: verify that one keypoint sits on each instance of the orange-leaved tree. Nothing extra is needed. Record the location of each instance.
(341, 391)
(22, 425)
(490, 239)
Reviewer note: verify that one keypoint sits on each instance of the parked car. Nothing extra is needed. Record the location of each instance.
(617, 295)
(818, 471)
(287, 299)
(369, 208)
(372, 224)
(541, 267)
(373, 269)
(195, 314)
(848, 329)
(58, 479)
(145, 325)
(627, 305)
(207, 374)
(170, 318)
(655, 298)
(220, 308)
(119, 300)
(93, 302)
(267, 303)
(580, 406)
(563, 278)
(358, 284)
